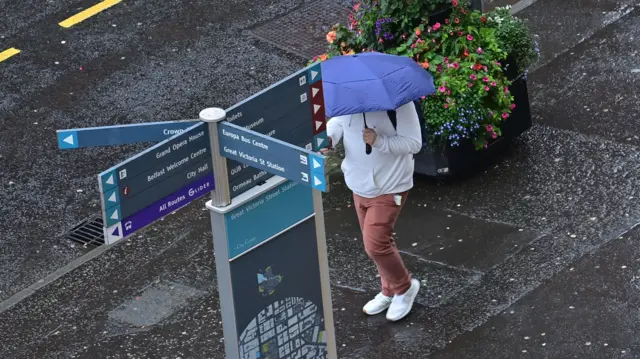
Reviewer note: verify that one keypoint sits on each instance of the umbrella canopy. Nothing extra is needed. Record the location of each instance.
(372, 81)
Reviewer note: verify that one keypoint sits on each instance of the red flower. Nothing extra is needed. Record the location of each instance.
(483, 19)
(454, 2)
(418, 32)
(459, 33)
(457, 21)
(446, 21)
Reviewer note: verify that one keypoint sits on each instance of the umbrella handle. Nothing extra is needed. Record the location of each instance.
(367, 147)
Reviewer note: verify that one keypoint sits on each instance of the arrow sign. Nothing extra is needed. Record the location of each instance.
(268, 154)
(121, 134)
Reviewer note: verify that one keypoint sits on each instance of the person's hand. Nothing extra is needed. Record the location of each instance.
(369, 136)
(329, 149)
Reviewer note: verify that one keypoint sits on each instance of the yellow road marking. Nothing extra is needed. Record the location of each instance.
(8, 53)
(87, 13)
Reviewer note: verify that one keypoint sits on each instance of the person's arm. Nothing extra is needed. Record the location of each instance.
(335, 130)
(408, 138)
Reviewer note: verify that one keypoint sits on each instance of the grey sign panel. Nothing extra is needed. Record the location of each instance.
(277, 295)
(177, 180)
(300, 136)
(271, 155)
(156, 156)
(273, 102)
(165, 167)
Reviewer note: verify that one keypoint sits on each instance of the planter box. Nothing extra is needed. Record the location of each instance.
(452, 161)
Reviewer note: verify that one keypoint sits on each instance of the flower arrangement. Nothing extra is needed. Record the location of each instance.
(465, 53)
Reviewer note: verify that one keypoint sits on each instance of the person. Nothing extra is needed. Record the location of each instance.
(380, 182)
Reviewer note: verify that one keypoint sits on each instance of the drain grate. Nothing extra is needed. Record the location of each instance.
(302, 32)
(89, 232)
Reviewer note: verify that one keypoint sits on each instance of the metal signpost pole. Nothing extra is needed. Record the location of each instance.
(270, 248)
(220, 197)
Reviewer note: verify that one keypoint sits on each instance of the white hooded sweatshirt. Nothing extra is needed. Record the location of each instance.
(389, 167)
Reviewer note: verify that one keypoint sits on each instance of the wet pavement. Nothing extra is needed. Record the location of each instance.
(542, 242)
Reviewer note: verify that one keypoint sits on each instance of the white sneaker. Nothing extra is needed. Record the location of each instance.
(402, 304)
(378, 304)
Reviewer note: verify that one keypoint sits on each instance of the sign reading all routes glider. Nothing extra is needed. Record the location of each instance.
(156, 182)
(291, 110)
(272, 155)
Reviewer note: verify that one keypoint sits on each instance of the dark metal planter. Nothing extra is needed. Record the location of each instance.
(452, 161)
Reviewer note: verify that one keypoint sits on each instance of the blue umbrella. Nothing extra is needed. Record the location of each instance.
(372, 81)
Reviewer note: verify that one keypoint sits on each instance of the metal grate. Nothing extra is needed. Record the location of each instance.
(303, 31)
(89, 232)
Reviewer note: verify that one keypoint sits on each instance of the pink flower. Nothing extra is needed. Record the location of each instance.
(470, 84)
(413, 46)
(448, 100)
(498, 63)
(436, 26)
(356, 7)
(469, 37)
(457, 21)
(485, 79)
(486, 88)
(513, 105)
(494, 135)
(493, 83)
(446, 60)
(479, 50)
(505, 115)
(506, 89)
(490, 113)
(454, 3)
(446, 105)
(486, 144)
(423, 97)
(489, 128)
(455, 65)
(473, 77)
(442, 89)
(485, 68)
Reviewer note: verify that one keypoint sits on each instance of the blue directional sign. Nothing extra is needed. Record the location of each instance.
(292, 110)
(272, 155)
(120, 134)
(133, 186)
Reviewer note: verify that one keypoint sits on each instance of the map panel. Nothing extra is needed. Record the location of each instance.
(278, 298)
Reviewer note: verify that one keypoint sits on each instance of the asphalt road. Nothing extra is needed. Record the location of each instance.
(534, 245)
(134, 62)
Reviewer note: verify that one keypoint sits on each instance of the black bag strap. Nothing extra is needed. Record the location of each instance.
(393, 118)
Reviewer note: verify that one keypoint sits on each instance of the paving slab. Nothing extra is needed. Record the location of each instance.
(570, 92)
(588, 311)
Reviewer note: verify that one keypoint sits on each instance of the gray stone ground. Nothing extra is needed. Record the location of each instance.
(536, 257)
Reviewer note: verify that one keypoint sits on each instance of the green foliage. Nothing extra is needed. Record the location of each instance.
(464, 54)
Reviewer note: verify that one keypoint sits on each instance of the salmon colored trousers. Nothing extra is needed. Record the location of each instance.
(377, 217)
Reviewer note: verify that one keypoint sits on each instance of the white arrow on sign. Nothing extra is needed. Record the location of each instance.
(318, 125)
(69, 140)
(316, 164)
(316, 181)
(316, 108)
(112, 198)
(314, 91)
(115, 215)
(320, 141)
(314, 74)
(109, 180)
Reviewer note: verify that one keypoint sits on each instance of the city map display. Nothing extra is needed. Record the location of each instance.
(278, 298)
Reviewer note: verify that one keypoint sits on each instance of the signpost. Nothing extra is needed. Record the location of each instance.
(120, 134)
(270, 248)
(291, 110)
(156, 182)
